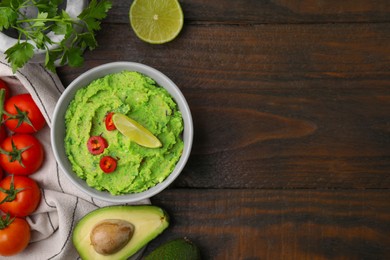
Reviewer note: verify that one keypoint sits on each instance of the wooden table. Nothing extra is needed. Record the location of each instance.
(291, 107)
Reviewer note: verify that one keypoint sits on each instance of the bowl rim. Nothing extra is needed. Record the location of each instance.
(82, 81)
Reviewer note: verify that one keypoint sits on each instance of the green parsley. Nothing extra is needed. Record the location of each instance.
(77, 34)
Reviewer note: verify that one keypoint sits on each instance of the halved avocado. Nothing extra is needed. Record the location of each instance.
(147, 222)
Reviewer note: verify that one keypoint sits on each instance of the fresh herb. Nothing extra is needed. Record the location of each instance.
(78, 33)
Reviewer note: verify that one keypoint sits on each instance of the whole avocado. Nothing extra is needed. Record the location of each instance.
(178, 249)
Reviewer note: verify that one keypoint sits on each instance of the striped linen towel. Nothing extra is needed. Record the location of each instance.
(62, 204)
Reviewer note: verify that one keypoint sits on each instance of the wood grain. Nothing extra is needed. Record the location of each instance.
(242, 57)
(273, 11)
(280, 224)
(293, 106)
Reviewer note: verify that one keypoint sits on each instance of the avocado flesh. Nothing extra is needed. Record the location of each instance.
(149, 221)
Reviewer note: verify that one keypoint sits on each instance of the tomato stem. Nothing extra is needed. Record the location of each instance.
(5, 221)
(2, 110)
(21, 116)
(15, 154)
(11, 192)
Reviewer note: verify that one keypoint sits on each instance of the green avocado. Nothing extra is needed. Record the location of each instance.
(118, 232)
(178, 249)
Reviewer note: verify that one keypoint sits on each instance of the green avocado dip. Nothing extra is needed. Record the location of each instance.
(140, 98)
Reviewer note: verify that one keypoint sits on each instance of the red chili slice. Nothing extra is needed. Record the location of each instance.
(96, 144)
(109, 124)
(107, 164)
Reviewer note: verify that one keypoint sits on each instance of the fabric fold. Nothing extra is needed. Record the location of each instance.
(62, 204)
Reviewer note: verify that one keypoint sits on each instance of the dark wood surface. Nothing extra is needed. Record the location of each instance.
(291, 109)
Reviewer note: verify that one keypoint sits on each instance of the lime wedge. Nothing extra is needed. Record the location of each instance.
(136, 132)
(156, 21)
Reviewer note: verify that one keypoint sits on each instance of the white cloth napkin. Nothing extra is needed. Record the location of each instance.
(62, 204)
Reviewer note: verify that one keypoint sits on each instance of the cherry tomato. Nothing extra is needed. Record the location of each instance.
(109, 123)
(21, 154)
(96, 144)
(22, 115)
(1, 174)
(14, 235)
(21, 195)
(107, 164)
(4, 86)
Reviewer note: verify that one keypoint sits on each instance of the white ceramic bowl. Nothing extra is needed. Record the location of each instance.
(58, 128)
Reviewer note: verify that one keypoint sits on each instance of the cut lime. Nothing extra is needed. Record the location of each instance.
(136, 132)
(156, 21)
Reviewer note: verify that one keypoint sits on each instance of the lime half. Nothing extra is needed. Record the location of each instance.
(136, 132)
(156, 21)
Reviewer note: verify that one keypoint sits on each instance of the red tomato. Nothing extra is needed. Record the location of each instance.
(14, 235)
(21, 195)
(22, 154)
(22, 115)
(4, 86)
(107, 164)
(96, 144)
(1, 174)
(109, 123)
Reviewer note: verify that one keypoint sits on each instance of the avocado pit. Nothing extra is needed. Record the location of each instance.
(111, 235)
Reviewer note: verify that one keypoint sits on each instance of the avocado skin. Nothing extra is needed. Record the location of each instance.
(178, 249)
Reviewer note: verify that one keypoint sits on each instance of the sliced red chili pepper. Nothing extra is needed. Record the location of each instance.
(96, 144)
(109, 123)
(107, 164)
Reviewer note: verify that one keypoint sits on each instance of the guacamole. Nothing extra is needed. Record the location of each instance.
(140, 98)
